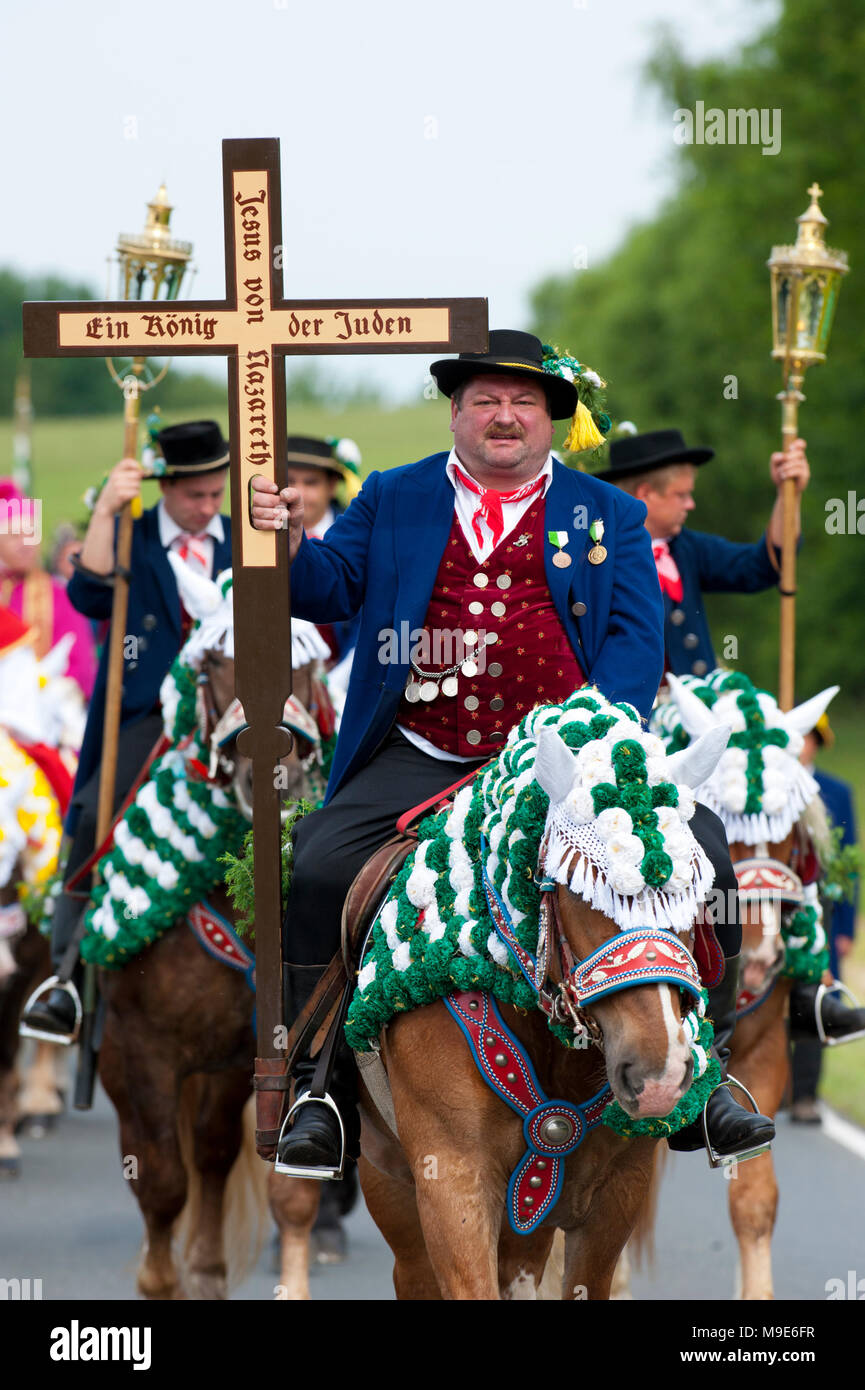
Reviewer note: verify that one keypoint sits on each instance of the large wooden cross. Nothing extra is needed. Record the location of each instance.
(255, 328)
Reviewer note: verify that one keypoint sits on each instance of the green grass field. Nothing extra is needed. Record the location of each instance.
(71, 454)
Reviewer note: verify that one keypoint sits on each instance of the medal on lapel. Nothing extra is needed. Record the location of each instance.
(598, 552)
(560, 539)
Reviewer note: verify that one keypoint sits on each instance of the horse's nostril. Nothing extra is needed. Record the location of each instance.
(629, 1084)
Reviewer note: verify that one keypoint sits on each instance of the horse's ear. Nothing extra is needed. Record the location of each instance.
(54, 663)
(696, 717)
(555, 766)
(803, 718)
(198, 594)
(694, 764)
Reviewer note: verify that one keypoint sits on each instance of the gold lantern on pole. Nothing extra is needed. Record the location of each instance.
(806, 279)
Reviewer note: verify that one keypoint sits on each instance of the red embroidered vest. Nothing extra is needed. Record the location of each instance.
(523, 657)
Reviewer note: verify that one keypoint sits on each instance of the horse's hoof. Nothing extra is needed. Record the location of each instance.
(10, 1168)
(328, 1245)
(35, 1126)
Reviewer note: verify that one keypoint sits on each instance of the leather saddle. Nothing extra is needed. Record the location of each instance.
(363, 901)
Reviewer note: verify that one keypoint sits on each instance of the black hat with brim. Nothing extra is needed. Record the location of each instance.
(306, 452)
(197, 447)
(513, 354)
(641, 453)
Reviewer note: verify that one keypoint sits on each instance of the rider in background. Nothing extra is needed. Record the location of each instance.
(192, 471)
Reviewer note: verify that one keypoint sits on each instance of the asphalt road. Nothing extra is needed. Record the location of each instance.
(71, 1221)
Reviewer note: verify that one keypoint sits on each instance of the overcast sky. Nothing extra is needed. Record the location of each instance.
(465, 147)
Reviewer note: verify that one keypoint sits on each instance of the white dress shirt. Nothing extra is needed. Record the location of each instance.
(172, 538)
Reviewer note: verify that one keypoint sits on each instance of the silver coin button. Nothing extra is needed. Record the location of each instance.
(490, 638)
(504, 581)
(476, 607)
(498, 610)
(497, 704)
(470, 638)
(470, 668)
(473, 736)
(497, 737)
(495, 668)
(481, 581)
(471, 702)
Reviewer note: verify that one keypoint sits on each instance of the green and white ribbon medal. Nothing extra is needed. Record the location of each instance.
(560, 540)
(598, 552)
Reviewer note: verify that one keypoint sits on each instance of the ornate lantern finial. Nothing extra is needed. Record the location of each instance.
(152, 262)
(805, 282)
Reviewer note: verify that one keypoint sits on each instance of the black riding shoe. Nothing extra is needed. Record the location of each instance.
(732, 1130)
(314, 1146)
(836, 1022)
(54, 1016)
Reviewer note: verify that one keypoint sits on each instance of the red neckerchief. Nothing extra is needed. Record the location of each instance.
(668, 571)
(490, 508)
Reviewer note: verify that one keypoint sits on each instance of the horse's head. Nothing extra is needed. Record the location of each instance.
(209, 651)
(769, 803)
(625, 903)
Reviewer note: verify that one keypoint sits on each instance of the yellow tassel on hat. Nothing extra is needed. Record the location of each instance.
(351, 485)
(584, 433)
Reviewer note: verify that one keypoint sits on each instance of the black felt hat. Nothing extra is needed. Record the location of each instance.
(640, 453)
(514, 354)
(197, 447)
(313, 453)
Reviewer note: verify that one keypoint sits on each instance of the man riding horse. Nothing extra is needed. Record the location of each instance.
(192, 473)
(660, 470)
(489, 579)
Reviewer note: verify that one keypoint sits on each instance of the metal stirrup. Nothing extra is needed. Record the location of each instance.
(27, 1030)
(717, 1160)
(825, 1039)
(294, 1170)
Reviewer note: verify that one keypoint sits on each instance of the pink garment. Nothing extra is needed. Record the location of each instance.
(82, 656)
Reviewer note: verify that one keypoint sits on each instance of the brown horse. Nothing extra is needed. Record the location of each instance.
(25, 794)
(760, 1052)
(436, 1178)
(176, 1060)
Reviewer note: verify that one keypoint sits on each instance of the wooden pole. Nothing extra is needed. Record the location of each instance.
(119, 608)
(790, 399)
(85, 1078)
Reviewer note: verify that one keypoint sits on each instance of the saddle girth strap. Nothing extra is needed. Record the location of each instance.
(553, 1129)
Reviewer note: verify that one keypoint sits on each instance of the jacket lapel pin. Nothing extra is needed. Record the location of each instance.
(598, 552)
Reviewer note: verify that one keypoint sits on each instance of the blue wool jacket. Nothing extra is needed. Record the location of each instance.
(838, 799)
(153, 621)
(383, 554)
(709, 564)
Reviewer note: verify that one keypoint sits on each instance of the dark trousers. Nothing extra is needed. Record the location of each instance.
(134, 744)
(332, 845)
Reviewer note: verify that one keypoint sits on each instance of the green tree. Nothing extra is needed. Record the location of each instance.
(683, 305)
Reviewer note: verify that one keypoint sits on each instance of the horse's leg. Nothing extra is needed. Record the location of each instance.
(10, 1153)
(218, 1135)
(460, 1146)
(294, 1205)
(393, 1207)
(40, 1101)
(753, 1186)
(522, 1262)
(595, 1243)
(144, 1091)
